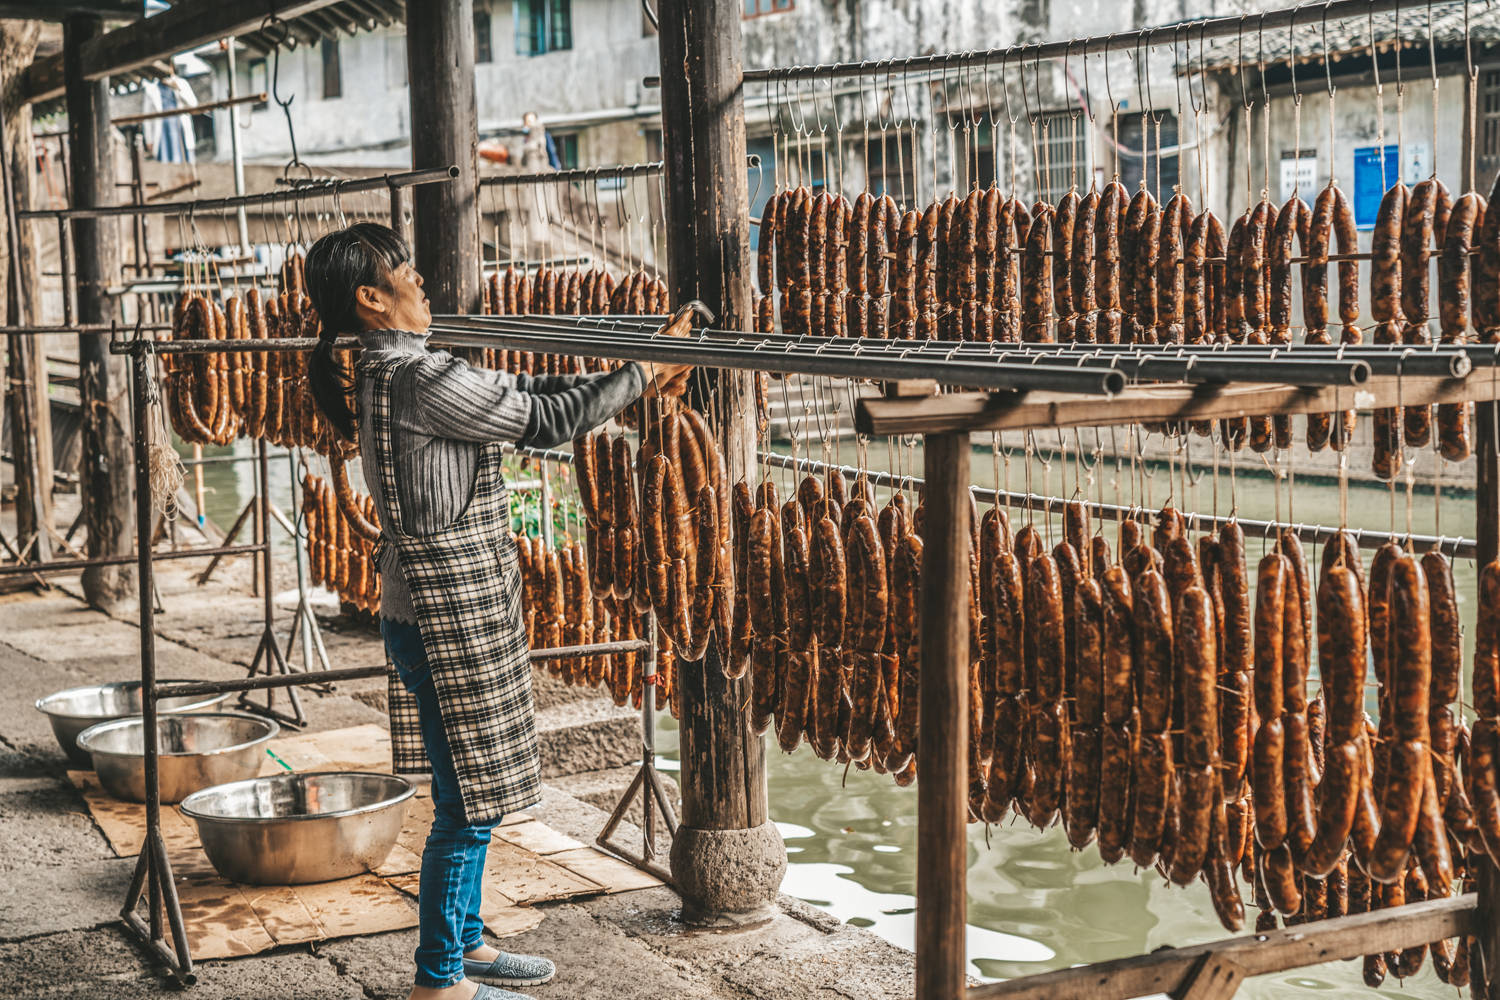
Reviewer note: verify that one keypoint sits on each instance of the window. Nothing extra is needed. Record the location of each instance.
(1138, 151)
(395, 61)
(1489, 121)
(482, 51)
(543, 26)
(889, 170)
(755, 8)
(333, 82)
(567, 149)
(1063, 153)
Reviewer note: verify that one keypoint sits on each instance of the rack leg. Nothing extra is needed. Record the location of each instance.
(153, 873)
(943, 735)
(1486, 531)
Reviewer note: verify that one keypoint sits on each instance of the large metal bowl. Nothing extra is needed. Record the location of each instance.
(294, 828)
(76, 709)
(196, 751)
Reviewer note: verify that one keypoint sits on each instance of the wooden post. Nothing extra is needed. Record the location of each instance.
(103, 482)
(727, 858)
(943, 730)
(1487, 539)
(28, 415)
(444, 130)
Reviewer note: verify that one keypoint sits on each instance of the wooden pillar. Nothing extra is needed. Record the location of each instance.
(28, 416)
(444, 131)
(1487, 537)
(105, 486)
(943, 729)
(727, 858)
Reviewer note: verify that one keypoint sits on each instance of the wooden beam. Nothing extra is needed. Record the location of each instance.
(185, 26)
(978, 411)
(103, 484)
(723, 773)
(1214, 977)
(1168, 970)
(56, 10)
(943, 733)
(444, 130)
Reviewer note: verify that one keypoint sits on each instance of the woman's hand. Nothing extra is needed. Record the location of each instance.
(664, 380)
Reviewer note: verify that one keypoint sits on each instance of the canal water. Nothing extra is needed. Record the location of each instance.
(1034, 903)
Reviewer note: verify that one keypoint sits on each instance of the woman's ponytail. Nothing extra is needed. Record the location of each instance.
(330, 383)
(337, 266)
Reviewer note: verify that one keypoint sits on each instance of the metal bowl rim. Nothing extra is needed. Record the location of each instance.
(208, 700)
(186, 805)
(129, 720)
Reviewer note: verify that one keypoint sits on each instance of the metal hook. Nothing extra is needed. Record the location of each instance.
(1328, 63)
(1260, 61)
(1240, 58)
(1431, 50)
(1005, 87)
(1291, 37)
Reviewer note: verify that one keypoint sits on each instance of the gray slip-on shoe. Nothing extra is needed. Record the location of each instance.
(511, 970)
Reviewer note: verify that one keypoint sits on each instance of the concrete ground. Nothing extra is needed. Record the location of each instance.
(61, 887)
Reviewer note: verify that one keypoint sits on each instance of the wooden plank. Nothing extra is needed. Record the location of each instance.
(1166, 970)
(978, 411)
(184, 26)
(539, 838)
(943, 734)
(1214, 977)
(609, 871)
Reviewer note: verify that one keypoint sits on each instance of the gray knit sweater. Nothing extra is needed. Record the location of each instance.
(443, 410)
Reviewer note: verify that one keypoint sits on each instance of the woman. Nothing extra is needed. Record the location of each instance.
(429, 429)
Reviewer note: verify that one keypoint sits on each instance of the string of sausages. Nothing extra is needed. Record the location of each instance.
(1109, 268)
(342, 529)
(214, 398)
(1139, 695)
(562, 608)
(576, 292)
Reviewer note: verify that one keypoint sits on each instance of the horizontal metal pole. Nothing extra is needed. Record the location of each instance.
(42, 331)
(172, 689)
(196, 109)
(223, 459)
(73, 565)
(749, 353)
(1457, 548)
(1120, 42)
(300, 192)
(586, 174)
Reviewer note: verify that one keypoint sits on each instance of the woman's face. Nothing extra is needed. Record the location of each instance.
(400, 306)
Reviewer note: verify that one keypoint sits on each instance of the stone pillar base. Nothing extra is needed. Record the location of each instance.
(728, 878)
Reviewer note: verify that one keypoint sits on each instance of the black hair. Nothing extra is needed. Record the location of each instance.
(337, 266)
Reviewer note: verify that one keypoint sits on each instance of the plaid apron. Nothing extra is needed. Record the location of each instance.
(465, 583)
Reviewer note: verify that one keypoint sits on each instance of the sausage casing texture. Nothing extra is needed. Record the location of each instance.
(1152, 614)
(1151, 787)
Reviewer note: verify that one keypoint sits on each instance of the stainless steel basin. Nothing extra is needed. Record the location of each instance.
(74, 710)
(196, 751)
(294, 828)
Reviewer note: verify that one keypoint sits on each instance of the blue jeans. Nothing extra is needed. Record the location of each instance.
(453, 862)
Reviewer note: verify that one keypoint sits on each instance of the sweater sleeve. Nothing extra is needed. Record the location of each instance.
(545, 385)
(562, 416)
(443, 396)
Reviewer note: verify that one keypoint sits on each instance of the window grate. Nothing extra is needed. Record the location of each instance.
(1138, 151)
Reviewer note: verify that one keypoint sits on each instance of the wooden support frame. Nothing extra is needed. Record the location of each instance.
(1010, 411)
(1211, 971)
(1216, 969)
